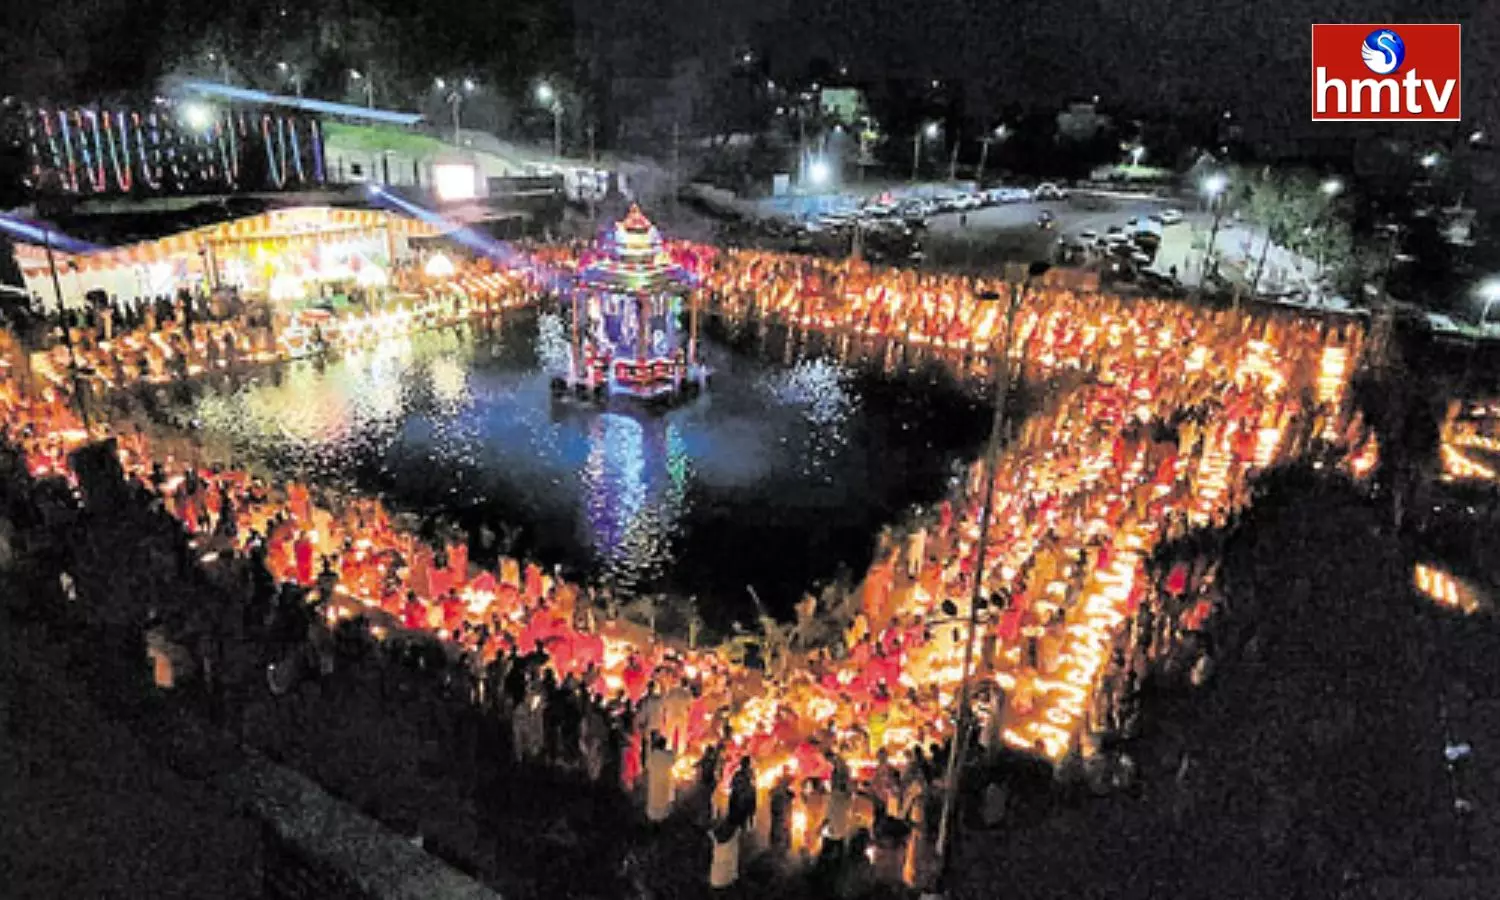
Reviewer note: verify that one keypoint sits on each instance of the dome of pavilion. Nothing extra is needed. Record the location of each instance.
(633, 259)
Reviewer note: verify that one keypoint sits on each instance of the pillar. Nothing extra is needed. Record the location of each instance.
(692, 355)
(578, 373)
(642, 338)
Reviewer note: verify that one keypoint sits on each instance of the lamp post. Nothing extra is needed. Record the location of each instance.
(1331, 188)
(930, 131)
(1489, 292)
(999, 134)
(62, 316)
(368, 84)
(295, 76)
(456, 101)
(222, 63)
(946, 825)
(1213, 187)
(546, 96)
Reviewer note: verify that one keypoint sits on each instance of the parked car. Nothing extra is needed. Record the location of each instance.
(1168, 216)
(1049, 191)
(1088, 236)
(1162, 285)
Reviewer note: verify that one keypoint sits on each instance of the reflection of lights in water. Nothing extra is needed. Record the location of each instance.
(818, 390)
(816, 386)
(300, 409)
(615, 478)
(634, 484)
(677, 465)
(450, 382)
(552, 346)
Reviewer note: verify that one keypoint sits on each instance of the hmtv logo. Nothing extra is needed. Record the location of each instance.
(1387, 73)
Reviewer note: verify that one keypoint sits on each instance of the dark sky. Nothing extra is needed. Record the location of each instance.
(1142, 54)
(1139, 55)
(1252, 55)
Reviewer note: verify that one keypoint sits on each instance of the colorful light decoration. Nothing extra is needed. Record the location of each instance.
(123, 175)
(276, 165)
(67, 144)
(150, 174)
(1445, 590)
(1464, 437)
(93, 157)
(163, 155)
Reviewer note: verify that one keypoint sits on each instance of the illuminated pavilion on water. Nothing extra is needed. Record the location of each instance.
(628, 304)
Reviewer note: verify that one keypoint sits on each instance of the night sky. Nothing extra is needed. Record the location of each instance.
(1146, 55)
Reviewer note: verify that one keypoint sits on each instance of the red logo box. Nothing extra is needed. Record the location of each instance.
(1427, 86)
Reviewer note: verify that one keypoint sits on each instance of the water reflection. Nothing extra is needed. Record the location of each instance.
(773, 478)
(635, 494)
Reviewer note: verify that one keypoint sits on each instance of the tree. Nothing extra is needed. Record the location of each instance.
(735, 104)
(1300, 213)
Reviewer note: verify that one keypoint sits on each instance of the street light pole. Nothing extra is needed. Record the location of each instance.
(998, 134)
(1215, 191)
(946, 825)
(1208, 251)
(557, 131)
(916, 153)
(62, 316)
(801, 149)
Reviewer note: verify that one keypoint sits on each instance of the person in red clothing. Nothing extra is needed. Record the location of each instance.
(297, 499)
(630, 763)
(414, 616)
(453, 612)
(635, 677)
(1177, 579)
(458, 564)
(392, 602)
(302, 554)
(533, 586)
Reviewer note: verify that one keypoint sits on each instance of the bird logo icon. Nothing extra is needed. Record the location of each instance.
(1383, 51)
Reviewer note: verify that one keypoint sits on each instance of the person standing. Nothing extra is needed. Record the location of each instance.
(659, 786)
(916, 551)
(724, 865)
(741, 813)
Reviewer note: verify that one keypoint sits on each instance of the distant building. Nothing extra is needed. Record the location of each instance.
(1081, 122)
(843, 105)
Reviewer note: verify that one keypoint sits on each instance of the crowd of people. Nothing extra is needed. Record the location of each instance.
(110, 344)
(1096, 571)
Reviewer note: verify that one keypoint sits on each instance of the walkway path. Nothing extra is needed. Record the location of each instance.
(89, 811)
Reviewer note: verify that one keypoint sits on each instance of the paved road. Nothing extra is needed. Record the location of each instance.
(1009, 233)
